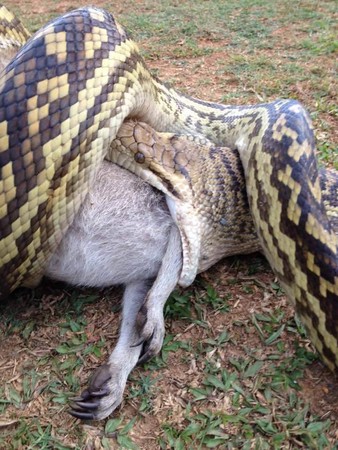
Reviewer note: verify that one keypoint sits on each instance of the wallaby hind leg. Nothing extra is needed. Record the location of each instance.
(141, 336)
(150, 320)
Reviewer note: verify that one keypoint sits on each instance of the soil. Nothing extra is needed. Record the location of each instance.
(318, 387)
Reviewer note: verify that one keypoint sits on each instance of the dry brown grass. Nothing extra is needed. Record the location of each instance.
(234, 372)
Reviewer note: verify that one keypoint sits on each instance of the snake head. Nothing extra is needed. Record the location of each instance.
(152, 156)
(165, 161)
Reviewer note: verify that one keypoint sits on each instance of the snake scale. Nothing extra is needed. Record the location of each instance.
(65, 97)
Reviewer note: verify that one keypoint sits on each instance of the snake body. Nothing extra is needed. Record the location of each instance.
(205, 189)
(63, 100)
(13, 34)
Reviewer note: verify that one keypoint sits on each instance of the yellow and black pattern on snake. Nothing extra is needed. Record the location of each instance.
(294, 231)
(329, 187)
(63, 100)
(13, 35)
(204, 187)
(57, 98)
(12, 31)
(207, 194)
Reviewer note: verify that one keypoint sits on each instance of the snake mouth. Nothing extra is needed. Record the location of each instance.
(150, 175)
(190, 233)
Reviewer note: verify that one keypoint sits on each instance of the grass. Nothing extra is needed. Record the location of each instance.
(236, 369)
(259, 50)
(226, 377)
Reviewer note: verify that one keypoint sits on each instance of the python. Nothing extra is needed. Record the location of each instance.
(270, 148)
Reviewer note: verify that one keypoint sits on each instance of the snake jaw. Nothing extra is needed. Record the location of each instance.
(189, 227)
(161, 161)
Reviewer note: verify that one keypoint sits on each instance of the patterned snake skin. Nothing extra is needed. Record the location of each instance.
(63, 100)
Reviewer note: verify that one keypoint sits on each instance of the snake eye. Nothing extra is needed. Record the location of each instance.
(139, 158)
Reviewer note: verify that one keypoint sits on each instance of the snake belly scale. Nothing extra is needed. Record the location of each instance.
(63, 100)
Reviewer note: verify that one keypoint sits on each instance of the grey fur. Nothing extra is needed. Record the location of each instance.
(118, 237)
(123, 234)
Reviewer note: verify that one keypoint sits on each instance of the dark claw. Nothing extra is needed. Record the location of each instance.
(88, 405)
(81, 415)
(89, 401)
(101, 393)
(99, 378)
(145, 358)
(141, 342)
(85, 395)
(146, 354)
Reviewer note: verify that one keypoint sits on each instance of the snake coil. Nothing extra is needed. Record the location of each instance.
(63, 99)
